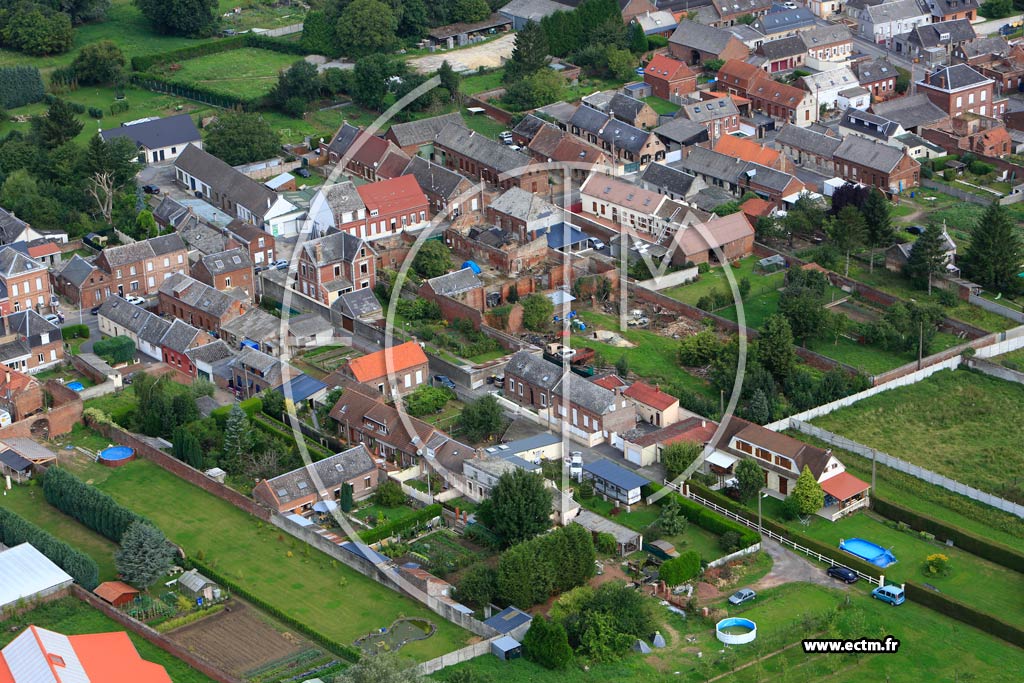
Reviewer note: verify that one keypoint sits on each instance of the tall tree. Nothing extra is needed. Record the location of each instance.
(478, 586)
(848, 232)
(521, 506)
(470, 10)
(318, 35)
(879, 223)
(637, 38)
(57, 126)
(237, 436)
(450, 81)
(671, 520)
(109, 167)
(677, 456)
(529, 55)
(187, 448)
(547, 644)
(927, 257)
(145, 555)
(996, 251)
(35, 29)
(432, 260)
(749, 479)
(367, 27)
(412, 25)
(481, 419)
(802, 302)
(239, 137)
(537, 312)
(193, 18)
(296, 87)
(370, 80)
(101, 63)
(382, 668)
(775, 348)
(808, 493)
(145, 225)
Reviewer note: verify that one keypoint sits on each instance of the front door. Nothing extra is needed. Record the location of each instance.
(783, 485)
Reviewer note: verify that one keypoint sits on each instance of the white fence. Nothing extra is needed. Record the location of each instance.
(667, 280)
(997, 308)
(1011, 340)
(908, 468)
(457, 657)
(877, 581)
(735, 556)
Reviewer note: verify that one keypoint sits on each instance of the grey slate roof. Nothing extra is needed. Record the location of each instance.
(14, 262)
(955, 77)
(76, 270)
(202, 237)
(123, 314)
(358, 303)
(240, 188)
(807, 140)
(946, 7)
(166, 132)
(625, 107)
(481, 149)
(30, 324)
(986, 45)
(682, 130)
(424, 130)
(140, 251)
(529, 126)
(169, 212)
(671, 180)
(869, 124)
(788, 20)
(329, 473)
(696, 36)
(458, 282)
(588, 119)
(227, 261)
(335, 247)
(942, 33)
(11, 227)
(790, 46)
(874, 70)
(910, 111)
(255, 324)
(210, 353)
(198, 295)
(558, 111)
(710, 198)
(702, 161)
(308, 324)
(534, 370)
(624, 136)
(896, 10)
(586, 394)
(154, 329)
(179, 336)
(256, 360)
(708, 110)
(869, 153)
(342, 197)
(16, 348)
(824, 35)
(434, 178)
(343, 139)
(526, 206)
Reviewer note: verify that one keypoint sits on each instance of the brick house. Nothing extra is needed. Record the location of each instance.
(636, 113)
(258, 243)
(522, 214)
(252, 372)
(199, 304)
(808, 148)
(335, 264)
(631, 147)
(629, 206)
(447, 192)
(732, 234)
(739, 176)
(547, 142)
(783, 102)
(653, 405)
(878, 76)
(669, 78)
(394, 371)
(416, 138)
(737, 77)
(392, 206)
(719, 115)
(478, 157)
(455, 291)
(225, 270)
(695, 43)
(591, 413)
(949, 10)
(45, 340)
(20, 395)
(891, 169)
(731, 11)
(180, 338)
(25, 280)
(298, 490)
(959, 89)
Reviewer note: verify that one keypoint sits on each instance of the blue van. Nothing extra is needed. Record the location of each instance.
(890, 594)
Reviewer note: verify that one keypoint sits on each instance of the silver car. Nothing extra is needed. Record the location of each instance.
(742, 595)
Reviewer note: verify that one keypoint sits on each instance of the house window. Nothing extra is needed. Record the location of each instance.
(119, 273)
(39, 283)
(512, 385)
(40, 358)
(380, 388)
(131, 271)
(408, 380)
(149, 266)
(53, 354)
(366, 482)
(14, 289)
(44, 338)
(520, 388)
(543, 400)
(135, 286)
(180, 259)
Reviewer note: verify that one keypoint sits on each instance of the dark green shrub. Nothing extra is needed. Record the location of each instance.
(963, 612)
(15, 530)
(389, 529)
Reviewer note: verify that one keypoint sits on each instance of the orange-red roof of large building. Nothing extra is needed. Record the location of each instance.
(393, 196)
(746, 150)
(393, 359)
(666, 68)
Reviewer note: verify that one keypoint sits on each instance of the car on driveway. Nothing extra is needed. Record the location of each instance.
(137, 300)
(52, 318)
(890, 594)
(843, 574)
(94, 310)
(742, 595)
(151, 189)
(444, 381)
(281, 265)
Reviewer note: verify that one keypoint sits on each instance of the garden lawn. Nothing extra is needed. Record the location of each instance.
(259, 14)
(654, 358)
(661, 106)
(70, 616)
(28, 501)
(932, 647)
(391, 514)
(483, 124)
(245, 72)
(873, 360)
(691, 292)
(309, 586)
(694, 538)
(471, 85)
(639, 519)
(982, 584)
(961, 424)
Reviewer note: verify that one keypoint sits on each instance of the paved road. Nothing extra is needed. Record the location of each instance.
(789, 566)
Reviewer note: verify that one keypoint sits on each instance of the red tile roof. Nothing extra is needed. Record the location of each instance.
(112, 658)
(393, 359)
(609, 382)
(756, 207)
(694, 429)
(746, 150)
(18, 382)
(651, 396)
(843, 486)
(112, 590)
(397, 195)
(44, 249)
(665, 68)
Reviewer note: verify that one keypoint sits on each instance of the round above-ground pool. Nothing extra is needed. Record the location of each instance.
(736, 631)
(76, 386)
(866, 550)
(115, 456)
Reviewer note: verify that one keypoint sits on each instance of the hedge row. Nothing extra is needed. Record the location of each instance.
(288, 47)
(250, 406)
(278, 428)
(346, 652)
(147, 62)
(382, 531)
(831, 552)
(709, 520)
(961, 611)
(74, 332)
(15, 530)
(160, 84)
(976, 545)
(87, 504)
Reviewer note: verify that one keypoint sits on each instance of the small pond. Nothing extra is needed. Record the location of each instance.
(391, 638)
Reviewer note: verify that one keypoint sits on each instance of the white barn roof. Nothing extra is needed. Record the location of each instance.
(24, 572)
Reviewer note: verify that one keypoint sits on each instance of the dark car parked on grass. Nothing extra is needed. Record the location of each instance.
(843, 574)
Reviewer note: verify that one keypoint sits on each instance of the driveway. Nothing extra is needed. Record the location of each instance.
(162, 175)
(490, 55)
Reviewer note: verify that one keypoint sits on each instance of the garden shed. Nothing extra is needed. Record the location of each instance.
(194, 585)
(117, 593)
(506, 647)
(511, 621)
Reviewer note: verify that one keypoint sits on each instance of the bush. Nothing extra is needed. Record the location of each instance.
(532, 571)
(961, 611)
(382, 531)
(389, 494)
(87, 504)
(20, 85)
(115, 350)
(605, 543)
(74, 332)
(15, 530)
(95, 112)
(680, 569)
(729, 542)
(949, 175)
(981, 168)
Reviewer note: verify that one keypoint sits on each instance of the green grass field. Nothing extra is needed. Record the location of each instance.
(691, 292)
(661, 106)
(306, 585)
(960, 424)
(932, 647)
(245, 72)
(654, 357)
(70, 616)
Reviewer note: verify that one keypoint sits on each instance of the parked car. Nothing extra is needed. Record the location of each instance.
(505, 136)
(281, 264)
(843, 574)
(789, 5)
(444, 381)
(890, 594)
(915, 230)
(742, 595)
(52, 318)
(94, 310)
(302, 172)
(639, 71)
(151, 189)
(137, 300)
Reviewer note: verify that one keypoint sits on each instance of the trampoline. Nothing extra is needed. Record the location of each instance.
(115, 456)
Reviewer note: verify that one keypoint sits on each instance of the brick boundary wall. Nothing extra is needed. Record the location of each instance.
(66, 413)
(482, 100)
(154, 637)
